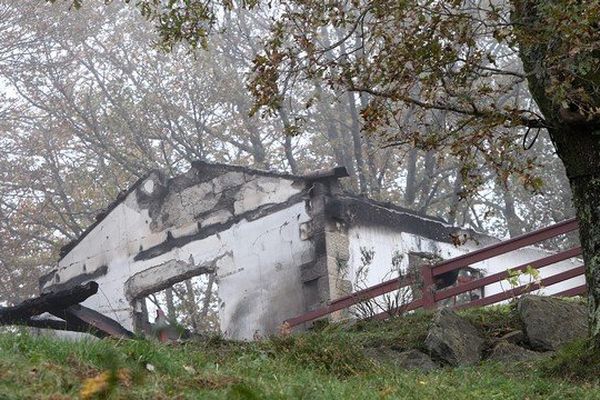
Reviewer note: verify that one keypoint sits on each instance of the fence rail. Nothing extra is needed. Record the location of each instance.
(429, 297)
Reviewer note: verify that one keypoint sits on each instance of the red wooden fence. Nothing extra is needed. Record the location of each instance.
(430, 297)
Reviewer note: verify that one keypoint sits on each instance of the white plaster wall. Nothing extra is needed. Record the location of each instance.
(113, 243)
(260, 287)
(257, 262)
(384, 242)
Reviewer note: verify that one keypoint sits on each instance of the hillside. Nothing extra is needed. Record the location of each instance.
(328, 363)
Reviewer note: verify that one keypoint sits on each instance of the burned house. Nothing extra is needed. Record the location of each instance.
(278, 245)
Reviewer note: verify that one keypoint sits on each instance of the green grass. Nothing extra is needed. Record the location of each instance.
(325, 364)
(578, 361)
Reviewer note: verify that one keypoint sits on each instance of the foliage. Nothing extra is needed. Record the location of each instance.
(494, 321)
(515, 276)
(103, 383)
(389, 303)
(401, 333)
(448, 59)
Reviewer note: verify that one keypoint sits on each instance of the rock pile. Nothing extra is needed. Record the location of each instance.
(548, 323)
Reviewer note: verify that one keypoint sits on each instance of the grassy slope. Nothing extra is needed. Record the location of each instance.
(328, 364)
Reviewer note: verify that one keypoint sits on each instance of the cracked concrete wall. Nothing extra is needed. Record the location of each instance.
(243, 224)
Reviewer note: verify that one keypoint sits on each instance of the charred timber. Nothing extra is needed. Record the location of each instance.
(90, 321)
(47, 303)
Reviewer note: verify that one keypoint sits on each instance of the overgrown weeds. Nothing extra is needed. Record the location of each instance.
(578, 362)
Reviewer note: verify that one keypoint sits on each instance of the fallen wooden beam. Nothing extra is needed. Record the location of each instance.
(54, 324)
(46, 303)
(65, 305)
(92, 321)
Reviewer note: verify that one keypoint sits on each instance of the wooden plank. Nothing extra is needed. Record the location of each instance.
(46, 303)
(55, 324)
(427, 291)
(350, 300)
(576, 291)
(505, 246)
(551, 280)
(413, 305)
(96, 323)
(487, 280)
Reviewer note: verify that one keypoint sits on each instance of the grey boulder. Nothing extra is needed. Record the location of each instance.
(550, 322)
(505, 351)
(409, 360)
(453, 339)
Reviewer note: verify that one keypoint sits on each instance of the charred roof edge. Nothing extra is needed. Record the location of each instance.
(336, 172)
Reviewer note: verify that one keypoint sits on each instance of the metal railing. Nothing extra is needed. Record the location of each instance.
(430, 296)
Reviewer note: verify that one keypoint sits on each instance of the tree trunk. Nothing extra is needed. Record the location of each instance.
(578, 146)
(586, 196)
(426, 184)
(192, 306)
(357, 143)
(207, 297)
(374, 182)
(575, 136)
(287, 143)
(455, 202)
(410, 191)
(289, 154)
(579, 149)
(513, 222)
(171, 313)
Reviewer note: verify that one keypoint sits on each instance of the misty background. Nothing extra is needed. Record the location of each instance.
(89, 103)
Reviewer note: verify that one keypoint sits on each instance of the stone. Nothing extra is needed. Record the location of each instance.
(514, 337)
(415, 360)
(228, 180)
(550, 322)
(509, 352)
(453, 339)
(409, 360)
(181, 207)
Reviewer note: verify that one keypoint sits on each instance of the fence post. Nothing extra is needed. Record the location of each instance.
(428, 287)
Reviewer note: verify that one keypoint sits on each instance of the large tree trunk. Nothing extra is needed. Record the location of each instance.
(579, 150)
(586, 195)
(575, 135)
